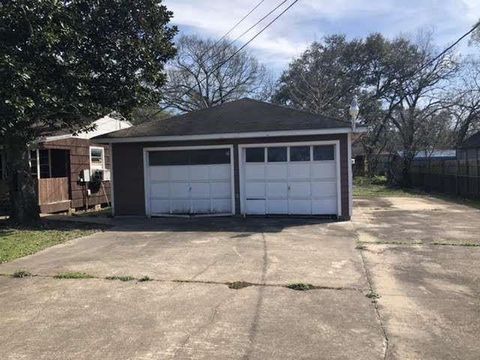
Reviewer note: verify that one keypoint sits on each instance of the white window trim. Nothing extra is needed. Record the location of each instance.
(146, 174)
(241, 164)
(90, 157)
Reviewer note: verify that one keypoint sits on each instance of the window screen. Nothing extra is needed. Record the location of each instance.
(277, 154)
(96, 157)
(300, 153)
(255, 154)
(323, 152)
(189, 157)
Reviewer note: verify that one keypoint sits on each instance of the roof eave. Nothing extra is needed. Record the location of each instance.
(243, 135)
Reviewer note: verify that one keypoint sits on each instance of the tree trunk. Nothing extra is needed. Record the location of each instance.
(406, 175)
(23, 197)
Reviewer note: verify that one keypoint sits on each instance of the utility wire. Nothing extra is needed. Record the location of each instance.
(450, 47)
(256, 35)
(238, 23)
(258, 22)
(244, 45)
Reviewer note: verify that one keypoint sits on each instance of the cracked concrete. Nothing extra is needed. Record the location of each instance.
(428, 306)
(429, 294)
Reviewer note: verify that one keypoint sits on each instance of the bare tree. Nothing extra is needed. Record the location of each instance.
(419, 101)
(464, 101)
(201, 77)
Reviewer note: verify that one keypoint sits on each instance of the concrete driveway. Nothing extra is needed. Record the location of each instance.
(428, 306)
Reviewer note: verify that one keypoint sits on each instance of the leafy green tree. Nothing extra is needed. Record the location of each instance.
(64, 63)
(397, 81)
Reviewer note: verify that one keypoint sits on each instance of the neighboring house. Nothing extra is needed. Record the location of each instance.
(68, 168)
(470, 148)
(243, 157)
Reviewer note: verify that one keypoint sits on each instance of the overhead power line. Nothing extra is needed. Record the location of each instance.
(258, 22)
(451, 46)
(239, 22)
(256, 35)
(244, 45)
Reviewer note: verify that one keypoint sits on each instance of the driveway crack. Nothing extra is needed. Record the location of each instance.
(375, 306)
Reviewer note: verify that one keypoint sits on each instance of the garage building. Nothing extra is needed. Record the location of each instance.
(242, 157)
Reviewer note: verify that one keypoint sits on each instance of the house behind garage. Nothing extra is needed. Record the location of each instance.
(243, 157)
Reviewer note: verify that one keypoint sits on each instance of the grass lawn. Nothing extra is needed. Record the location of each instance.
(365, 187)
(378, 187)
(18, 241)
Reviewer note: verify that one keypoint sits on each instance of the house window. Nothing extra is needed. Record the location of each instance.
(277, 154)
(97, 158)
(323, 152)
(300, 153)
(255, 155)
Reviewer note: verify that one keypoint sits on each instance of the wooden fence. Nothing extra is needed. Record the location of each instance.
(460, 177)
(52, 190)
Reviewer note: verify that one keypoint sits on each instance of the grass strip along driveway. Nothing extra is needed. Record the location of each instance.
(19, 240)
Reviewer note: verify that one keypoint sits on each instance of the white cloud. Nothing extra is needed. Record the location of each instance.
(309, 20)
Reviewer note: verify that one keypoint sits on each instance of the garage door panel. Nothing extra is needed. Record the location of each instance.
(255, 207)
(219, 172)
(200, 190)
(179, 173)
(201, 206)
(220, 190)
(160, 190)
(324, 206)
(277, 190)
(159, 173)
(220, 206)
(324, 170)
(180, 206)
(255, 190)
(193, 181)
(276, 171)
(179, 190)
(160, 206)
(199, 172)
(324, 188)
(301, 207)
(277, 206)
(255, 172)
(299, 171)
(289, 186)
(299, 189)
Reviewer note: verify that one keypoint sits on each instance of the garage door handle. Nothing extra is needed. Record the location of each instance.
(189, 188)
(288, 187)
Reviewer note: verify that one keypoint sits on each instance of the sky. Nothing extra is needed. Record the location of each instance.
(310, 20)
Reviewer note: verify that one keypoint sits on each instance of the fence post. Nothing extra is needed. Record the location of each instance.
(443, 176)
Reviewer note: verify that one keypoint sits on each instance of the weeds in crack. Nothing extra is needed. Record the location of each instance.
(120, 277)
(300, 286)
(21, 274)
(237, 285)
(73, 275)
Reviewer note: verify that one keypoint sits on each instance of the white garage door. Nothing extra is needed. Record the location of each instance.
(189, 182)
(299, 179)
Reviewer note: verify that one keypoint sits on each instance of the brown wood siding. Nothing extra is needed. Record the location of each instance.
(129, 180)
(80, 160)
(52, 190)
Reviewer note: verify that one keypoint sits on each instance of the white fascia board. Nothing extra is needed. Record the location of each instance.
(245, 135)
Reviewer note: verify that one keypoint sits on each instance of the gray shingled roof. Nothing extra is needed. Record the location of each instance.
(245, 115)
(472, 142)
